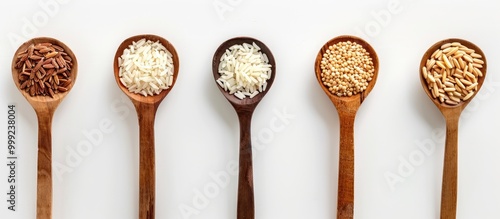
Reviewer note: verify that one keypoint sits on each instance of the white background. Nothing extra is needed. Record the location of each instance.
(295, 168)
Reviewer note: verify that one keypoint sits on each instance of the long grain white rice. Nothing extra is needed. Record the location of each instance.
(244, 70)
(146, 68)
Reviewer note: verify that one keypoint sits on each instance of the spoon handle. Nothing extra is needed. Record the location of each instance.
(345, 199)
(44, 178)
(450, 170)
(246, 208)
(146, 114)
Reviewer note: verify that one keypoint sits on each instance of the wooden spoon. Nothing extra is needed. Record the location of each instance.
(44, 106)
(146, 110)
(451, 115)
(244, 108)
(346, 108)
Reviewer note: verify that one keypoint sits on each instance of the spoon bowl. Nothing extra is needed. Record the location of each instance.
(215, 70)
(44, 106)
(317, 67)
(443, 106)
(451, 114)
(146, 108)
(347, 106)
(44, 100)
(244, 108)
(136, 98)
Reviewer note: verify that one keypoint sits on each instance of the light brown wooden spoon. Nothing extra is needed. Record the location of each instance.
(44, 106)
(451, 115)
(146, 108)
(346, 108)
(244, 108)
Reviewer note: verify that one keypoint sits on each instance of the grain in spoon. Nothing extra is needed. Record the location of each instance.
(146, 107)
(44, 87)
(347, 105)
(451, 73)
(244, 108)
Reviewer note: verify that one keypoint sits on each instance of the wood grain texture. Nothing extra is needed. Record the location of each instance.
(244, 108)
(147, 176)
(346, 108)
(450, 168)
(345, 199)
(146, 108)
(246, 203)
(44, 166)
(44, 106)
(451, 115)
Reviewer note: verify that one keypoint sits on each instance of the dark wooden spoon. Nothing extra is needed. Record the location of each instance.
(244, 108)
(146, 108)
(452, 116)
(44, 106)
(346, 108)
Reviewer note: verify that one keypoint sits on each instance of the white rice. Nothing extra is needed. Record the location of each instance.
(244, 70)
(146, 68)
